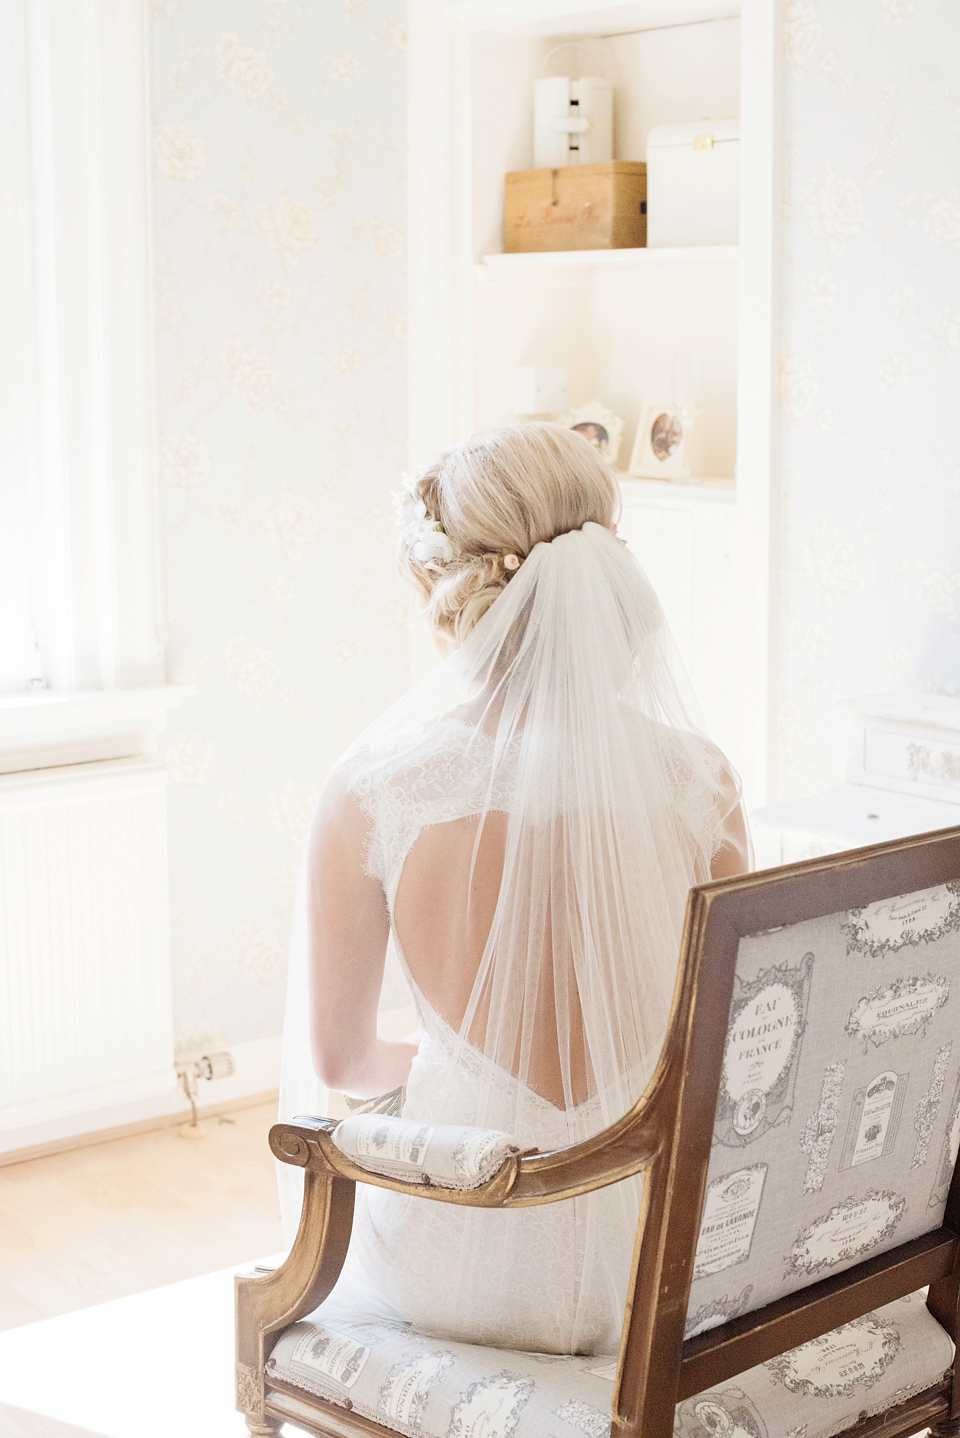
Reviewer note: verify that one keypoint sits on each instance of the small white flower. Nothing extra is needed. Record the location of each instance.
(830, 563)
(243, 66)
(346, 66)
(283, 108)
(251, 668)
(950, 325)
(348, 651)
(802, 33)
(903, 300)
(292, 521)
(410, 509)
(185, 460)
(234, 807)
(823, 292)
(280, 590)
(291, 809)
(894, 375)
(431, 546)
(246, 370)
(835, 209)
(287, 225)
(276, 294)
(187, 63)
(348, 361)
(258, 955)
(394, 322)
(798, 385)
(180, 152)
(388, 240)
(943, 217)
(422, 532)
(190, 759)
(227, 212)
(937, 591)
(395, 31)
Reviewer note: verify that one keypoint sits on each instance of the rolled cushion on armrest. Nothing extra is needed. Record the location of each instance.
(441, 1154)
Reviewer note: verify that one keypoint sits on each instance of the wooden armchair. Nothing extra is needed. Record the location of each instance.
(799, 1143)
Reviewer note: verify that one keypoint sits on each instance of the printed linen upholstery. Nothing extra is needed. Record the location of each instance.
(430, 1388)
(443, 1154)
(838, 1119)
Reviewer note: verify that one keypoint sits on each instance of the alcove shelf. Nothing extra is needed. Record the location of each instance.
(614, 319)
(613, 259)
(701, 489)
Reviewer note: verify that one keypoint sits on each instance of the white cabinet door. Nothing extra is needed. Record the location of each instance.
(684, 537)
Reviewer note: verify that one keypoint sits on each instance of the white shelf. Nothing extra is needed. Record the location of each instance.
(699, 490)
(616, 259)
(585, 17)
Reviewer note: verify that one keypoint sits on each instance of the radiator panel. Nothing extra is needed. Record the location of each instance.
(85, 1008)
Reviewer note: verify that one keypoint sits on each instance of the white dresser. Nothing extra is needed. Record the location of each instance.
(903, 778)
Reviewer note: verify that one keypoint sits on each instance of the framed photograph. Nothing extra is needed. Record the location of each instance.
(660, 448)
(600, 426)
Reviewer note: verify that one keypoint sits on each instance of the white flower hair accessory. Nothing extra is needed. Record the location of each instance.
(422, 531)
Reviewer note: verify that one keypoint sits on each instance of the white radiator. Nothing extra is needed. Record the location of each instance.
(85, 1007)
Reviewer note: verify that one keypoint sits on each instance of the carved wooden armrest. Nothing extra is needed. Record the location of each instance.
(269, 1303)
(524, 1179)
(309, 1144)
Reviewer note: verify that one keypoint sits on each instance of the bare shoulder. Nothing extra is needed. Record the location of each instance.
(339, 818)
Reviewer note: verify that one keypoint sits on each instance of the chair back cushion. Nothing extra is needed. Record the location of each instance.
(838, 1117)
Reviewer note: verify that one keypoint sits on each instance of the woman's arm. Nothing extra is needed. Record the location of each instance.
(348, 927)
(733, 856)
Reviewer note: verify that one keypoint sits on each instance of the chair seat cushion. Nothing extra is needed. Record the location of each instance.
(430, 1388)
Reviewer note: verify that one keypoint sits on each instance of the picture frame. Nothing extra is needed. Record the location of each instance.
(599, 425)
(660, 448)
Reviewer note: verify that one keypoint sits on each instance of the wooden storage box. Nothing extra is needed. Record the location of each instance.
(576, 207)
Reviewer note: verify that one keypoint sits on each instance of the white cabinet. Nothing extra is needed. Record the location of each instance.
(685, 538)
(903, 778)
(616, 320)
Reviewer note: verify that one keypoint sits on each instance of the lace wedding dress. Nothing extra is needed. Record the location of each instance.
(535, 846)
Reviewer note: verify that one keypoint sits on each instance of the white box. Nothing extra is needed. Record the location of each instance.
(693, 183)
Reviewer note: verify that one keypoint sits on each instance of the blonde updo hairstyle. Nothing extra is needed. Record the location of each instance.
(501, 492)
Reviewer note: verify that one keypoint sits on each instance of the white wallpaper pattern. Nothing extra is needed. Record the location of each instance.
(279, 199)
(870, 443)
(279, 203)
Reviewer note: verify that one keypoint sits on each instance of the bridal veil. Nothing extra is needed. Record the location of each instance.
(596, 802)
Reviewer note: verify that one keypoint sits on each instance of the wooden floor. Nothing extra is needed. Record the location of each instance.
(117, 1218)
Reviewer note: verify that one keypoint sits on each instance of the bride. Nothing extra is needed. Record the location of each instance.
(524, 826)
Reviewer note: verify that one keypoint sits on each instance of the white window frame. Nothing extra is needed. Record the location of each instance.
(76, 335)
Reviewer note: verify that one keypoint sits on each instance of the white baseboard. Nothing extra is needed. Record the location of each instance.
(256, 1071)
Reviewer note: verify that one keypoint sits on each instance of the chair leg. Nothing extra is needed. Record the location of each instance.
(263, 1427)
(945, 1428)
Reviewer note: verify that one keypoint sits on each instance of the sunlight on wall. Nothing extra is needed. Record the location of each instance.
(870, 527)
(279, 200)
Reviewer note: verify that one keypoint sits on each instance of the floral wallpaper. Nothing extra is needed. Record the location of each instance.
(869, 565)
(279, 200)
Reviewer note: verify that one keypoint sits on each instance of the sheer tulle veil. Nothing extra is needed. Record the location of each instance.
(574, 703)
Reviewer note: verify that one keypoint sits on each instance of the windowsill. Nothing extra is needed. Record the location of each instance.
(43, 729)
